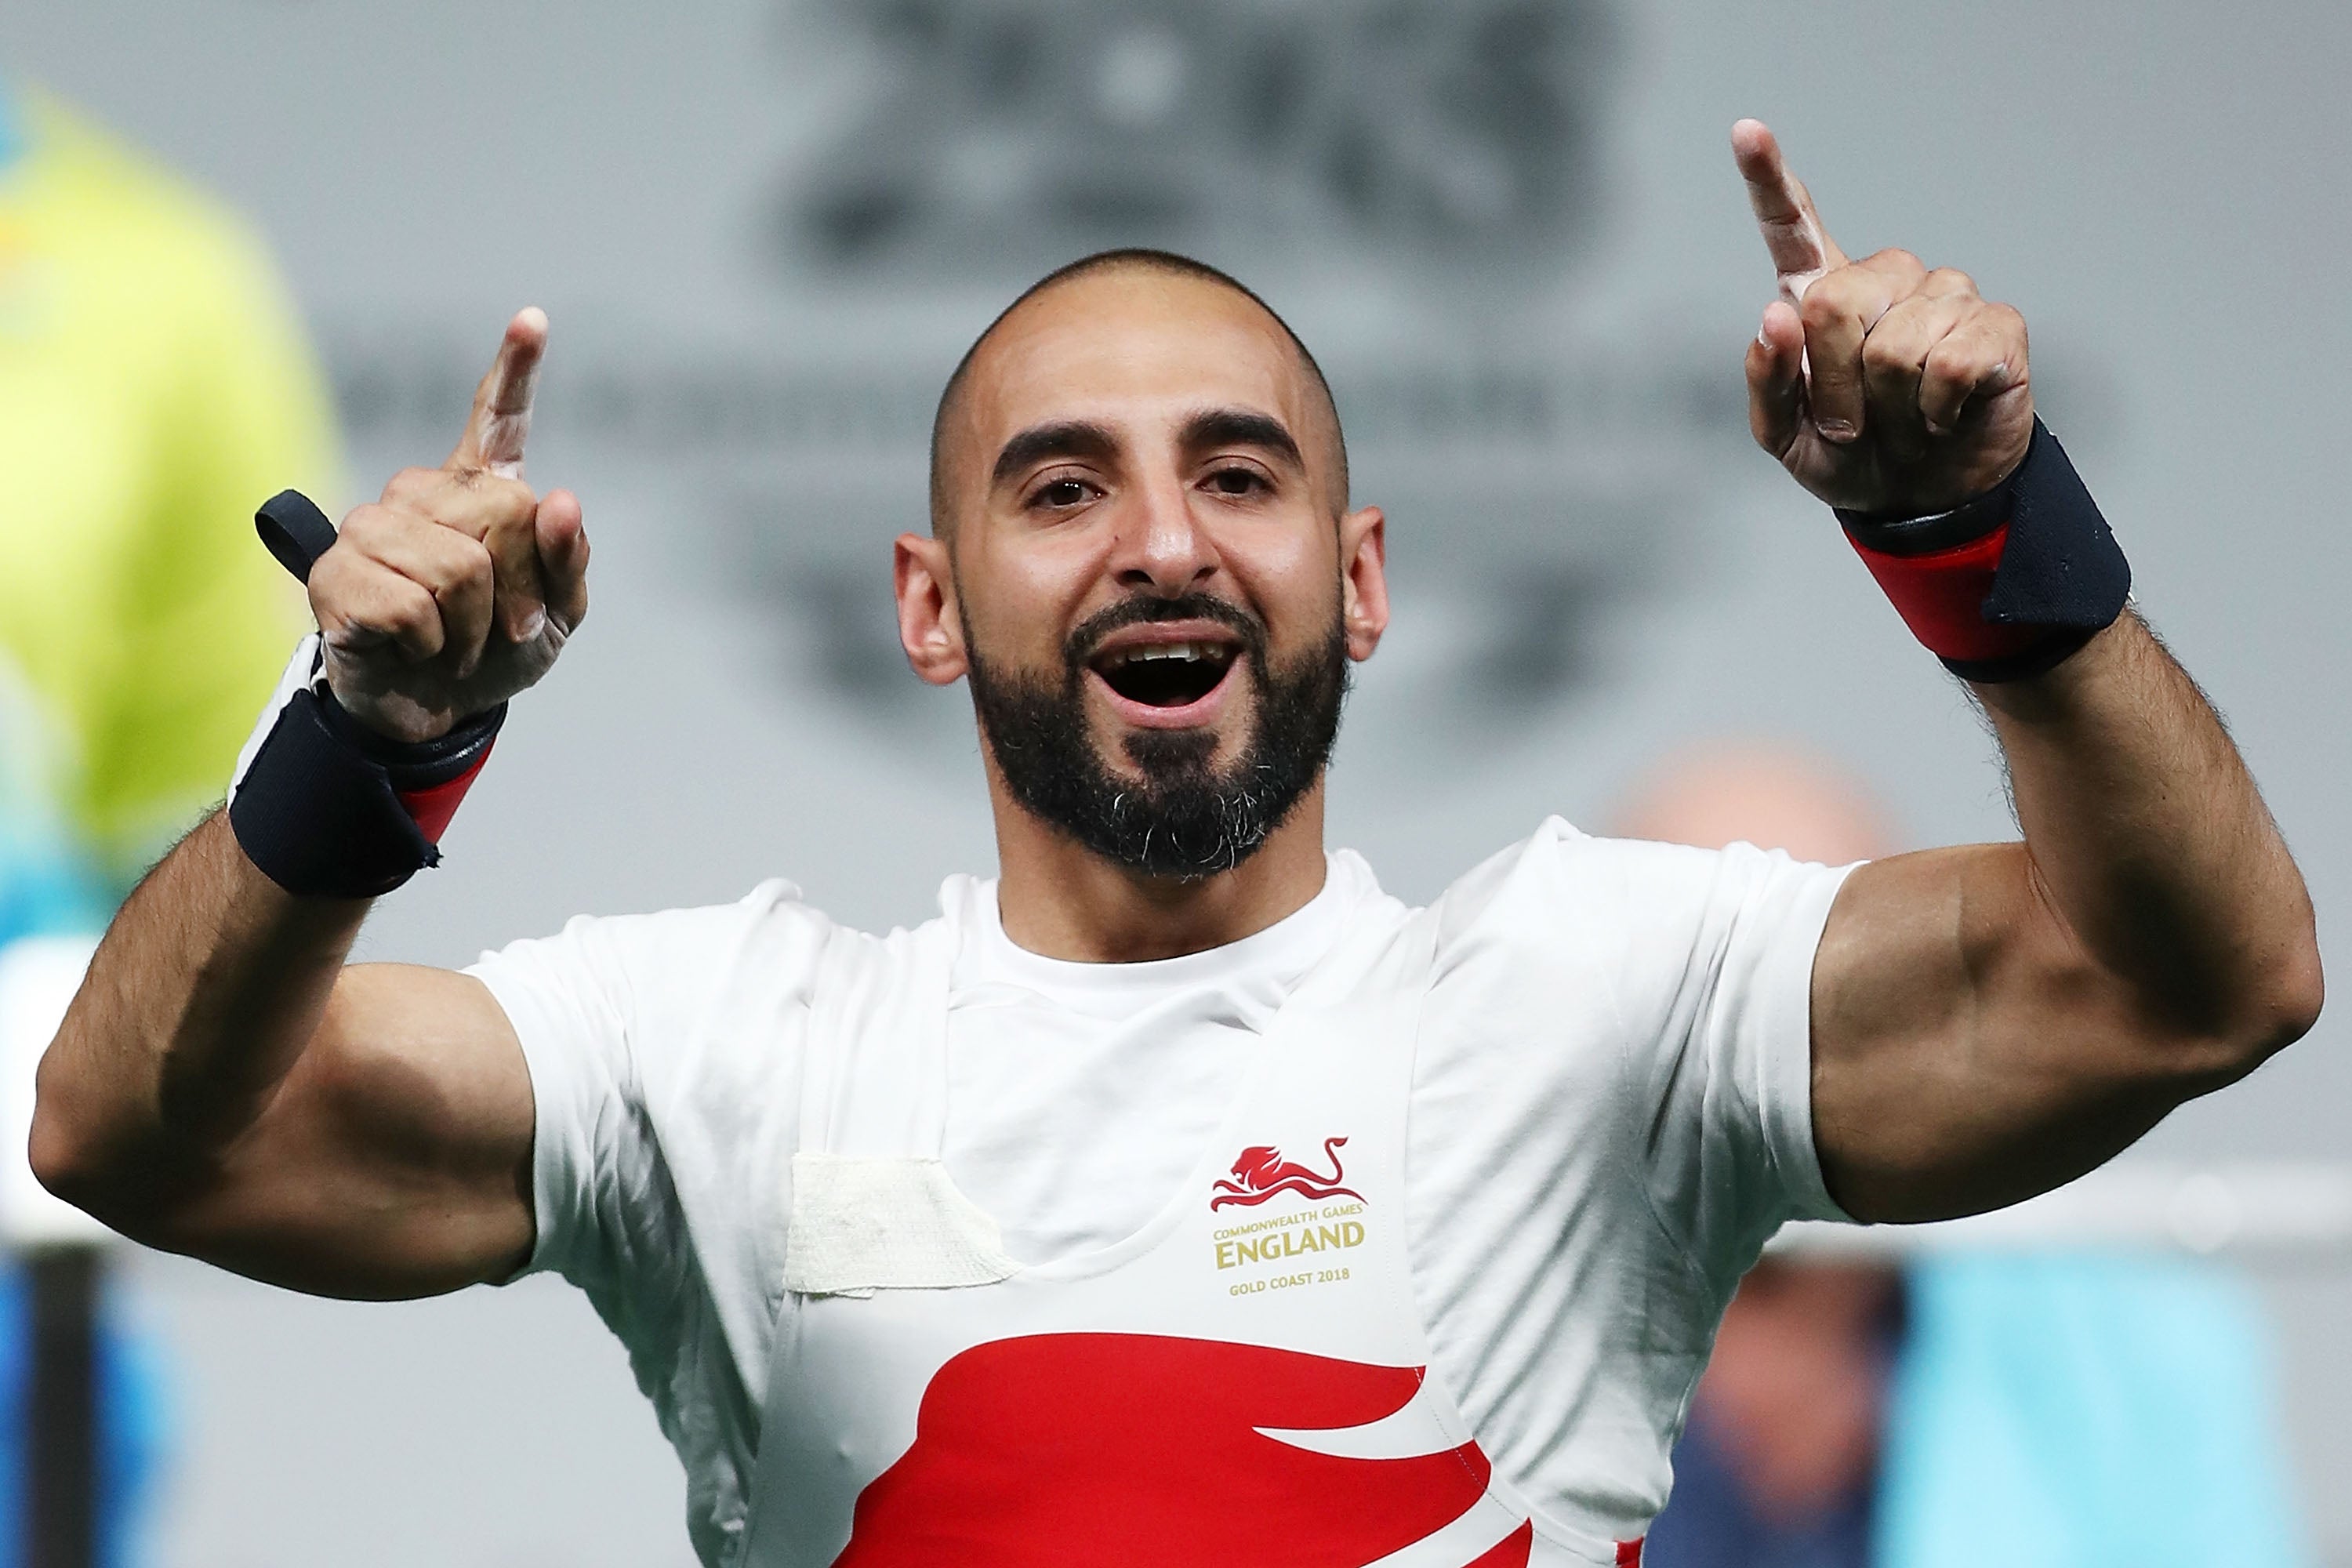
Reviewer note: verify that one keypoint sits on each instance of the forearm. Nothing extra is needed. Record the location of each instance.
(223, 1086)
(2151, 846)
(1992, 1020)
(208, 988)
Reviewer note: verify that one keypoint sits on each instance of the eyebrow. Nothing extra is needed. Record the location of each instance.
(1242, 428)
(1064, 438)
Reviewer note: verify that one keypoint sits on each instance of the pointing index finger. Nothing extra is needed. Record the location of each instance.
(501, 421)
(1800, 248)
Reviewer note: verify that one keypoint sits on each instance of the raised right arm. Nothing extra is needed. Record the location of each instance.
(224, 1085)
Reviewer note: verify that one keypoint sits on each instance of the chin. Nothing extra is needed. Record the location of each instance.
(1146, 757)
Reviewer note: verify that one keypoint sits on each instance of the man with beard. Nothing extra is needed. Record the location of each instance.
(1178, 1197)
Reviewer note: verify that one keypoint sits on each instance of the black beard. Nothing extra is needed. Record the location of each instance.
(1184, 819)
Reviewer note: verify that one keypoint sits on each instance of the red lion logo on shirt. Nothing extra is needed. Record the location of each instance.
(1262, 1172)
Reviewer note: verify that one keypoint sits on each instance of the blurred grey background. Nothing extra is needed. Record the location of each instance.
(1510, 228)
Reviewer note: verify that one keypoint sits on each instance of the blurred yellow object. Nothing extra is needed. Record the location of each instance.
(154, 387)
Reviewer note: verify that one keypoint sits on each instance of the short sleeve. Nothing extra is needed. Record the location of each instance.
(1697, 966)
(612, 1016)
(664, 1052)
(1722, 1054)
(570, 1002)
(659, 1048)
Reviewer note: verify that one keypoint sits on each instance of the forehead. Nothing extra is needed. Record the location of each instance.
(1131, 348)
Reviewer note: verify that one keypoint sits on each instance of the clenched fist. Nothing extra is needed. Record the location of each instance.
(1882, 386)
(458, 587)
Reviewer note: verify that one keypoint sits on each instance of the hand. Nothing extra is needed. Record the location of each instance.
(1881, 386)
(458, 587)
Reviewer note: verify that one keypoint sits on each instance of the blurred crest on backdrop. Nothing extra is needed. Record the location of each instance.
(1416, 183)
(1014, 134)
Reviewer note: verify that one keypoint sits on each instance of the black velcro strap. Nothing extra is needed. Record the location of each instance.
(296, 531)
(317, 817)
(319, 809)
(2047, 652)
(2060, 572)
(2062, 567)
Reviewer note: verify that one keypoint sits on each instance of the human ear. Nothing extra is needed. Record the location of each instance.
(1363, 580)
(929, 628)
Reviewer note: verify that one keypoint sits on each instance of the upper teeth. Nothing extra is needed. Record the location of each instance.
(1185, 650)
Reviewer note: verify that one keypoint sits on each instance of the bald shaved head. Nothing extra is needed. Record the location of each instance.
(945, 472)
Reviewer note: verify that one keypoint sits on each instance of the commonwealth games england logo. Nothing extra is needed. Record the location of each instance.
(1262, 1172)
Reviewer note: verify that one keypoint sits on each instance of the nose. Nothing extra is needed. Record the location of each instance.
(1160, 547)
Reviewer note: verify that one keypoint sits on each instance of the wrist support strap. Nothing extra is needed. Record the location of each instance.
(326, 806)
(321, 804)
(2006, 585)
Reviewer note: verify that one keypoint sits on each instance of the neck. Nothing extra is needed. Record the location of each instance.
(1060, 900)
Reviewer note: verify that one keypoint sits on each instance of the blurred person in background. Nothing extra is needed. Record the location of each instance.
(1178, 1197)
(154, 386)
(2051, 1410)
(1779, 1465)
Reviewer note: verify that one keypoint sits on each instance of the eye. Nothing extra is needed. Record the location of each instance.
(1236, 480)
(1064, 492)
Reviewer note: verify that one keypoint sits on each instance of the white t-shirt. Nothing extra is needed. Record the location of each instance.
(1610, 1115)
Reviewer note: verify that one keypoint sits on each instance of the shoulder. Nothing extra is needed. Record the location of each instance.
(773, 910)
(1561, 880)
(1544, 954)
(640, 969)
(1561, 869)
(1639, 924)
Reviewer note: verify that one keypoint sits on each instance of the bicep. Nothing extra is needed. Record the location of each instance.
(1966, 1051)
(394, 1160)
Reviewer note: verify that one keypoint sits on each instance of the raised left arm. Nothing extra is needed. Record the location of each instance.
(1993, 1020)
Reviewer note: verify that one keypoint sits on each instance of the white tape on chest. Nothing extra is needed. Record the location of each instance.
(862, 1225)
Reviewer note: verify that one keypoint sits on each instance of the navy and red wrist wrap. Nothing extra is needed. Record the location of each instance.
(323, 804)
(327, 807)
(2009, 584)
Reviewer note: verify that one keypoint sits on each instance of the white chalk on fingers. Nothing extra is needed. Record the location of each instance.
(503, 439)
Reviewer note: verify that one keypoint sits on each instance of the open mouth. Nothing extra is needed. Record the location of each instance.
(1165, 675)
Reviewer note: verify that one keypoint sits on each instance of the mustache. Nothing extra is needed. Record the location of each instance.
(1147, 609)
